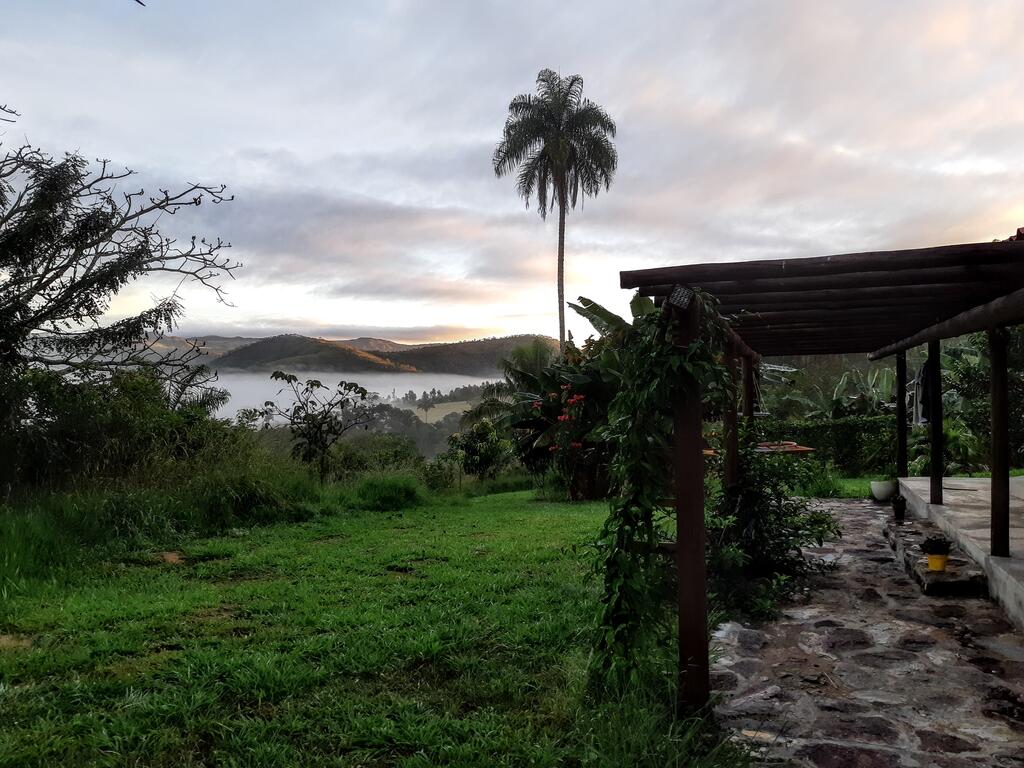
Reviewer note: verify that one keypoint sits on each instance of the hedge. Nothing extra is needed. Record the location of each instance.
(856, 445)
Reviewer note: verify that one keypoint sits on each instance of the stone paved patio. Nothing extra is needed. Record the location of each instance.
(867, 672)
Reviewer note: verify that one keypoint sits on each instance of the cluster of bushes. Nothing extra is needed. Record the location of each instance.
(757, 531)
(855, 445)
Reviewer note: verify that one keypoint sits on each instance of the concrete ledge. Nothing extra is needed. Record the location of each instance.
(960, 520)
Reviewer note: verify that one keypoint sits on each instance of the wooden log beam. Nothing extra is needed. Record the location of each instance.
(1000, 464)
(908, 260)
(901, 415)
(935, 420)
(1006, 310)
(945, 305)
(993, 274)
(846, 318)
(694, 686)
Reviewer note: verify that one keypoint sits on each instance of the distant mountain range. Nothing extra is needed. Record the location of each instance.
(292, 352)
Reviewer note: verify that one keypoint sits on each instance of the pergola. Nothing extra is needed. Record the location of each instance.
(881, 303)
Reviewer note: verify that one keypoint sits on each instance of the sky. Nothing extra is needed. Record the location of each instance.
(357, 137)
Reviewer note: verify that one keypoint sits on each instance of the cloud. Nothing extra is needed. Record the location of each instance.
(357, 139)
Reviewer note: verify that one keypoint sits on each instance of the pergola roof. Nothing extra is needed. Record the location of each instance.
(856, 302)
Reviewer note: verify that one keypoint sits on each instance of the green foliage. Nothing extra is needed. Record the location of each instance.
(367, 452)
(962, 450)
(317, 417)
(936, 545)
(817, 480)
(72, 237)
(649, 366)
(67, 429)
(521, 372)
(480, 450)
(438, 474)
(966, 380)
(855, 445)
(389, 493)
(48, 530)
(757, 529)
(819, 392)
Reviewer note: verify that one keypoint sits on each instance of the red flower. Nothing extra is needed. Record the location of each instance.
(575, 445)
(537, 404)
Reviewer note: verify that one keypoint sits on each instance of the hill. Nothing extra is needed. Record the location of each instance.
(292, 352)
(370, 344)
(476, 357)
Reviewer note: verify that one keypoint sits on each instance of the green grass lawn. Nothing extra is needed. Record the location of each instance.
(444, 635)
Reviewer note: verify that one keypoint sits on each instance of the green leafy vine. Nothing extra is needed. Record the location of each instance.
(649, 365)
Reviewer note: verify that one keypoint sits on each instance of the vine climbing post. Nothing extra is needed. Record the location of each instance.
(749, 388)
(730, 427)
(688, 474)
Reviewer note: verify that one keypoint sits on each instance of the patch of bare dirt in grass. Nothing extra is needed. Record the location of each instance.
(15, 641)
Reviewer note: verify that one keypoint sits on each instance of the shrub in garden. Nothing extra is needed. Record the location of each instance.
(480, 450)
(856, 445)
(758, 528)
(373, 452)
(318, 417)
(438, 474)
(389, 493)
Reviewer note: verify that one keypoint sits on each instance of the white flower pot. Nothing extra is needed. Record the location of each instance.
(883, 490)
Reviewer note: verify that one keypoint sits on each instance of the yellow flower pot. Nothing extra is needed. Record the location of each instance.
(937, 562)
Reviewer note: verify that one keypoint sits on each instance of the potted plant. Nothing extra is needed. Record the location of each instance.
(937, 549)
(883, 490)
(899, 506)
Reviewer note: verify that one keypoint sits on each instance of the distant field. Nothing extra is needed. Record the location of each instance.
(439, 411)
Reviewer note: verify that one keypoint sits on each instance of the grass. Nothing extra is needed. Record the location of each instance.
(450, 634)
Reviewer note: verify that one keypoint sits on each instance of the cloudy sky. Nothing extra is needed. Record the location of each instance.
(357, 137)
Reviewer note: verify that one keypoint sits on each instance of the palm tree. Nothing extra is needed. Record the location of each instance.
(561, 144)
(522, 371)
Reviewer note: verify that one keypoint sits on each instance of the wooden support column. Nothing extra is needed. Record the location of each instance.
(901, 415)
(1000, 466)
(730, 427)
(749, 389)
(694, 686)
(935, 420)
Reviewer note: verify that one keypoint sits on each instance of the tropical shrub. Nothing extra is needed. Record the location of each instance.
(438, 474)
(966, 381)
(123, 425)
(480, 450)
(855, 445)
(389, 493)
(962, 450)
(373, 452)
(757, 530)
(318, 417)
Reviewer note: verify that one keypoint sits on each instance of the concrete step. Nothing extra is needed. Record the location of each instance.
(962, 577)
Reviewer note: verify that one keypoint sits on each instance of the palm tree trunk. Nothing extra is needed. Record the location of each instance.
(561, 269)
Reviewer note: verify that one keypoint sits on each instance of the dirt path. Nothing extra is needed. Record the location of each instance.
(870, 673)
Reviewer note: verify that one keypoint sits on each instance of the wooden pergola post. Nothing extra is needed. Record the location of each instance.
(749, 389)
(901, 415)
(694, 685)
(730, 427)
(1000, 465)
(935, 420)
